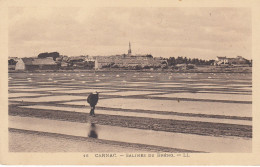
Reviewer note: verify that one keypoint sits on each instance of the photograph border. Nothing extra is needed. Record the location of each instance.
(12, 158)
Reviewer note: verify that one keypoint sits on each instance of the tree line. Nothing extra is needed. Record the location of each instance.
(172, 61)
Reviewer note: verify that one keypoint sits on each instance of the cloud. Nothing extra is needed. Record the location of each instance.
(193, 32)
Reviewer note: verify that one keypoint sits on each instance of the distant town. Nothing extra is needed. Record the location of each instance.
(56, 61)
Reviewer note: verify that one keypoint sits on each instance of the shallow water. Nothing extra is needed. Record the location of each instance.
(83, 91)
(143, 115)
(33, 89)
(195, 107)
(22, 142)
(50, 98)
(131, 93)
(236, 87)
(22, 94)
(130, 135)
(231, 97)
(19, 87)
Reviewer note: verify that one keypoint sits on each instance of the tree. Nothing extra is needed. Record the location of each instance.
(193, 61)
(189, 60)
(54, 55)
(185, 60)
(179, 60)
(171, 61)
(12, 62)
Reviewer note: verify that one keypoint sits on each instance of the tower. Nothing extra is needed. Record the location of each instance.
(129, 50)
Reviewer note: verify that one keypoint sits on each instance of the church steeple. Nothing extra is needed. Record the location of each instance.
(129, 50)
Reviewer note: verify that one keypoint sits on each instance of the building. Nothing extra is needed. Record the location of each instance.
(40, 64)
(122, 61)
(181, 66)
(239, 60)
(11, 64)
(221, 60)
(12, 61)
(103, 62)
(129, 50)
(78, 62)
(127, 61)
(28, 64)
(20, 65)
(64, 65)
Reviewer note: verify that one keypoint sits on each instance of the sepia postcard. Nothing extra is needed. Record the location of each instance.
(170, 82)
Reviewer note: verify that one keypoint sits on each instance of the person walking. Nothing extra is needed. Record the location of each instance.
(92, 100)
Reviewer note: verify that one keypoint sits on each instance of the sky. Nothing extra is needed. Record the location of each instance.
(163, 32)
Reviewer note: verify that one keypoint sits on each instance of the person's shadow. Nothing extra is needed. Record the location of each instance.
(92, 132)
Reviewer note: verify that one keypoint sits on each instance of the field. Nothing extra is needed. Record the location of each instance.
(136, 112)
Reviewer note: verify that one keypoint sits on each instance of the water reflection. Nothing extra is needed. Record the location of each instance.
(93, 132)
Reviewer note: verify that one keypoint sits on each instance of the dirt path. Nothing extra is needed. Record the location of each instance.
(191, 127)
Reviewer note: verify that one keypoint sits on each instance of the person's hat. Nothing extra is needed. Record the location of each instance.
(94, 92)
